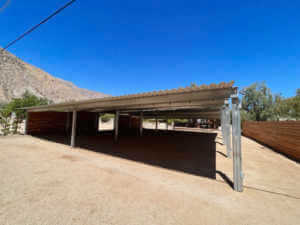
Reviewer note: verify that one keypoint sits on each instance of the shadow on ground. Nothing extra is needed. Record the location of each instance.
(188, 152)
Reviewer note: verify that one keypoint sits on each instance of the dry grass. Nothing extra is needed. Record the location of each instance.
(48, 183)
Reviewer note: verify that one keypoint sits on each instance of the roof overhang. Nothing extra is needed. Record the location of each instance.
(198, 102)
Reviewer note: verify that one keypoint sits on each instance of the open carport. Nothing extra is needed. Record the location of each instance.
(76, 123)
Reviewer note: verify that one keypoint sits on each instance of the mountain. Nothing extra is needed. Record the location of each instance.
(17, 76)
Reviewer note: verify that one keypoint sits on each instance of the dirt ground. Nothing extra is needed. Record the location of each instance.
(45, 183)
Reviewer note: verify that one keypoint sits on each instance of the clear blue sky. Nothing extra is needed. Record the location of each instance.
(120, 47)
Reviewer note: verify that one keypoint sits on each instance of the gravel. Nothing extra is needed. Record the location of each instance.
(49, 183)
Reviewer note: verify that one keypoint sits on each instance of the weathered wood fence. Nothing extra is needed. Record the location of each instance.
(282, 136)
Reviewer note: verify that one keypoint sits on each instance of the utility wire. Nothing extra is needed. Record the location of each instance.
(36, 26)
(5, 5)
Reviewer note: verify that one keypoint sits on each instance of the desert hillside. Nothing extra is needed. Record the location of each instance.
(17, 76)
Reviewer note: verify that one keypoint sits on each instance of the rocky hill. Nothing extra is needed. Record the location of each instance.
(17, 76)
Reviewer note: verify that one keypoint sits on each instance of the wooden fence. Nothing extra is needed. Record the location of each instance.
(283, 136)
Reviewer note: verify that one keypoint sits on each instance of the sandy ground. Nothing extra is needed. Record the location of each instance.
(49, 183)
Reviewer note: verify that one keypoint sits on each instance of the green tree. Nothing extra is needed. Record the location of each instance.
(290, 108)
(278, 107)
(257, 103)
(4, 120)
(193, 85)
(106, 117)
(15, 106)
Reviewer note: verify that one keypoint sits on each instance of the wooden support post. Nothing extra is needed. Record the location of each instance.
(156, 123)
(141, 123)
(116, 125)
(236, 144)
(73, 135)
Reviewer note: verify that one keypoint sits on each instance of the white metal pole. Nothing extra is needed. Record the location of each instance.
(223, 125)
(227, 129)
(236, 145)
(116, 124)
(73, 135)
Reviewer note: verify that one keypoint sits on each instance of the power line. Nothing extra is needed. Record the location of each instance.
(5, 5)
(37, 25)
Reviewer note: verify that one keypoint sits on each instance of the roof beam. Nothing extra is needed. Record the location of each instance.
(217, 103)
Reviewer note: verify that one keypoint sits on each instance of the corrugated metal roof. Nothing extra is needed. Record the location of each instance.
(225, 88)
(177, 90)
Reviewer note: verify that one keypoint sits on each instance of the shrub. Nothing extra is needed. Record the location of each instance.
(106, 117)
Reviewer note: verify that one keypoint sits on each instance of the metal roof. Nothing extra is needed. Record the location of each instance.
(205, 100)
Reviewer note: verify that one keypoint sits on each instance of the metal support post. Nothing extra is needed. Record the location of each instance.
(116, 124)
(73, 135)
(227, 129)
(236, 144)
(223, 124)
